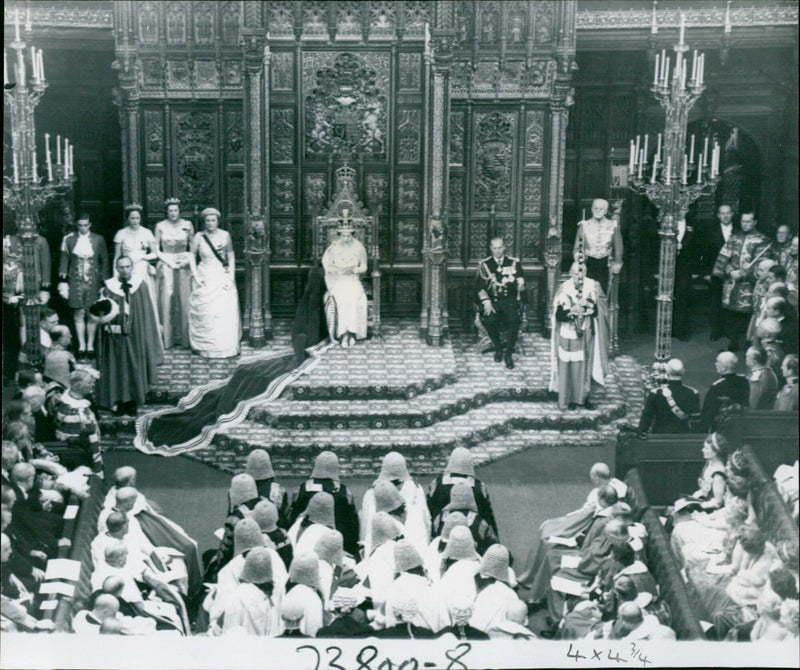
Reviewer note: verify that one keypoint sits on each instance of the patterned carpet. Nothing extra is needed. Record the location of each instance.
(397, 393)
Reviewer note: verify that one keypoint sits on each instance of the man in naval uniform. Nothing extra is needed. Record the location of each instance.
(670, 407)
(500, 282)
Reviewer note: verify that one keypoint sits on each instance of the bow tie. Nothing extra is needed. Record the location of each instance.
(126, 286)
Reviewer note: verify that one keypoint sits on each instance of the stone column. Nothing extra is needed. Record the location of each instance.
(440, 59)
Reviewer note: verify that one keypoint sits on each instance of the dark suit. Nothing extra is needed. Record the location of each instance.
(45, 427)
(789, 330)
(659, 416)
(685, 266)
(727, 390)
(709, 244)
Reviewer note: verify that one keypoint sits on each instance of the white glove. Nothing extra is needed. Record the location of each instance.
(63, 290)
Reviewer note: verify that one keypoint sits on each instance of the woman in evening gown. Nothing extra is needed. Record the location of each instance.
(214, 326)
(173, 238)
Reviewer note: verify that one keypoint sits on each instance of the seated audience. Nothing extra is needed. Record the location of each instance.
(462, 499)
(246, 536)
(554, 547)
(102, 607)
(378, 568)
(266, 516)
(259, 467)
(164, 604)
(242, 499)
(293, 615)
(495, 595)
(711, 485)
(787, 398)
(30, 450)
(325, 477)
(434, 556)
(417, 521)
(514, 626)
(335, 567)
(303, 588)
(160, 530)
(59, 362)
(16, 601)
(29, 518)
(45, 429)
(633, 624)
(315, 521)
(736, 604)
(763, 382)
(460, 468)
(730, 389)
(75, 421)
(253, 606)
(460, 608)
(411, 582)
(405, 612)
(345, 622)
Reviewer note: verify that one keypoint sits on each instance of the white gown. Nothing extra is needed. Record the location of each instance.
(214, 325)
(343, 261)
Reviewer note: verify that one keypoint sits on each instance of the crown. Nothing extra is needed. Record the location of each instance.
(133, 206)
(345, 221)
(345, 172)
(172, 201)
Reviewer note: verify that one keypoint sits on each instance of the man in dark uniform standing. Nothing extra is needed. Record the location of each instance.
(714, 238)
(729, 389)
(499, 284)
(670, 407)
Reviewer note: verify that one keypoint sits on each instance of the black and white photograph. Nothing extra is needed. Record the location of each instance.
(429, 333)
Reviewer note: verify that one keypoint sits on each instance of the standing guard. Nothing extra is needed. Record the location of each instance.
(599, 240)
(499, 286)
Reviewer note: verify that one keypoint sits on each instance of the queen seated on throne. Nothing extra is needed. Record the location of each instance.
(344, 261)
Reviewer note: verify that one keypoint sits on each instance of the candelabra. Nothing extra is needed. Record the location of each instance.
(24, 191)
(673, 178)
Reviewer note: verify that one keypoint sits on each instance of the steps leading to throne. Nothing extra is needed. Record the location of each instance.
(397, 394)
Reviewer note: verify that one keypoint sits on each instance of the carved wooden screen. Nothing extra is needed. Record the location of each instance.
(181, 85)
(361, 102)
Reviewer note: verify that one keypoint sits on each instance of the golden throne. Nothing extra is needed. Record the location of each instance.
(345, 205)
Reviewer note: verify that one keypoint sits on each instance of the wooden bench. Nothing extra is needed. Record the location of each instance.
(774, 517)
(681, 599)
(671, 464)
(80, 531)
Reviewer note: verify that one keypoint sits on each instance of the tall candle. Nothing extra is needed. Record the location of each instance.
(691, 149)
(694, 66)
(72, 159)
(644, 153)
(663, 65)
(41, 64)
(655, 76)
(641, 164)
(669, 167)
(685, 169)
(16, 25)
(630, 166)
(658, 149)
(58, 149)
(28, 22)
(34, 65)
(35, 171)
(683, 26)
(702, 68)
(655, 167)
(705, 151)
(66, 156)
(728, 25)
(666, 73)
(699, 169)
(16, 170)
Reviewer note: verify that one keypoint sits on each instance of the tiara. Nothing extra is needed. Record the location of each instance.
(132, 206)
(172, 201)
